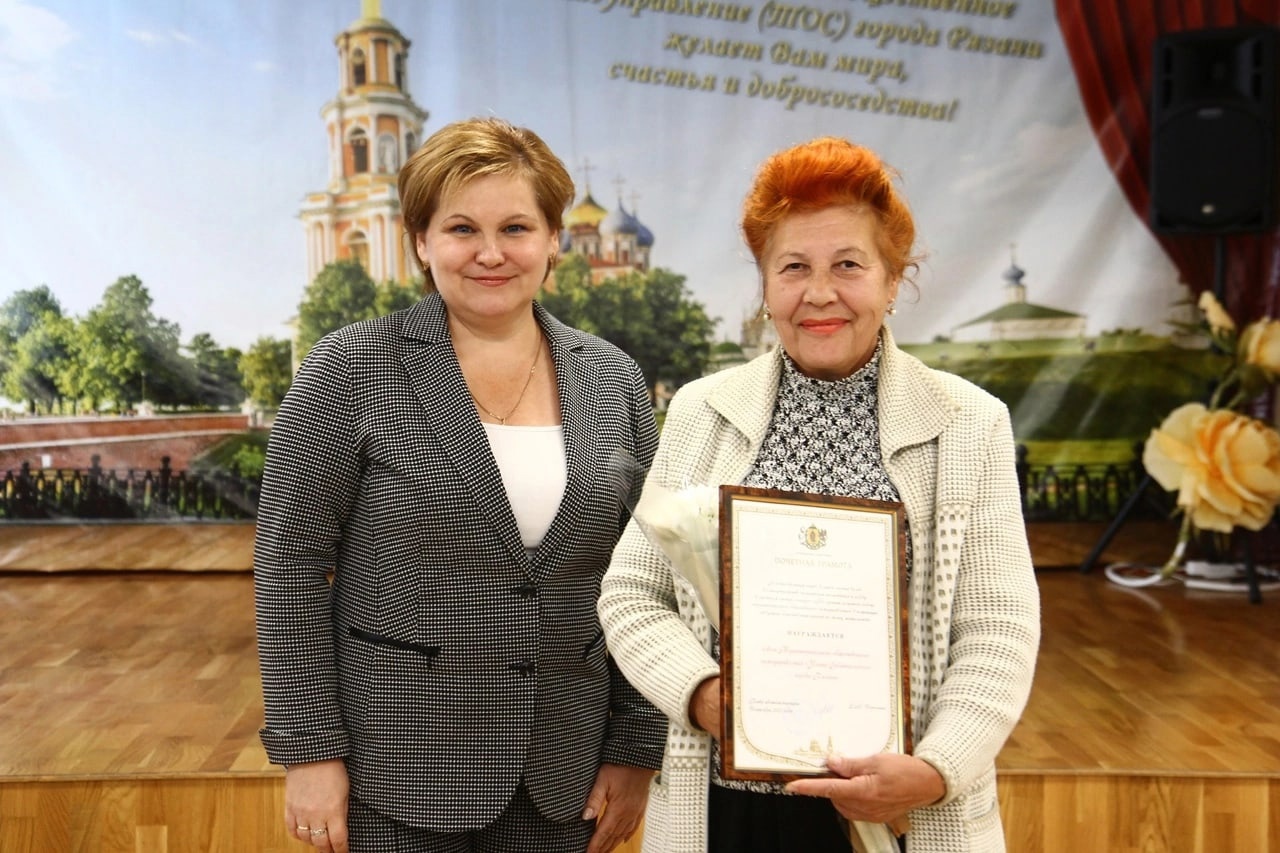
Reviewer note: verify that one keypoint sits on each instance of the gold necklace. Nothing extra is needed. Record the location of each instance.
(502, 419)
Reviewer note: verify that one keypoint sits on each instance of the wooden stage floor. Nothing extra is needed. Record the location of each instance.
(130, 698)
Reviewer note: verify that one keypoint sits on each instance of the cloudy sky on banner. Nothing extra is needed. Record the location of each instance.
(176, 140)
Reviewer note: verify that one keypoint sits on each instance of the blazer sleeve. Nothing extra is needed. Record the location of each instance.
(308, 487)
(637, 729)
(995, 617)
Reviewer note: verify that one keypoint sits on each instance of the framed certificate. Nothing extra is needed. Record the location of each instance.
(813, 639)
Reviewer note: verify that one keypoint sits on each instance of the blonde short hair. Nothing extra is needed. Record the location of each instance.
(464, 150)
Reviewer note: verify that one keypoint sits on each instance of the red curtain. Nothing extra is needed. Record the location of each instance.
(1110, 45)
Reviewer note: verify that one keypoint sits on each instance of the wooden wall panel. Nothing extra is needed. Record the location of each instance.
(150, 816)
(1065, 813)
(1068, 813)
(144, 816)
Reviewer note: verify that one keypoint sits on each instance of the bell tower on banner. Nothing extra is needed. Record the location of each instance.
(372, 125)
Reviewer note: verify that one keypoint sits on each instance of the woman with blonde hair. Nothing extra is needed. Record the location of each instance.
(448, 465)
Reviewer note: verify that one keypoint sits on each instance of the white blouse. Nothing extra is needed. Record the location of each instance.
(531, 460)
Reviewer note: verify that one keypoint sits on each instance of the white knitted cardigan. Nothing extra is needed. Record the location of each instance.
(974, 605)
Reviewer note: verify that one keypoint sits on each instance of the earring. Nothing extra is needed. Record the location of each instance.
(766, 313)
(891, 310)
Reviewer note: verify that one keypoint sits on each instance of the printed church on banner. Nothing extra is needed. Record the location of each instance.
(373, 125)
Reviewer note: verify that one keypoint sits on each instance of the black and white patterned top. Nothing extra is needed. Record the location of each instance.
(823, 438)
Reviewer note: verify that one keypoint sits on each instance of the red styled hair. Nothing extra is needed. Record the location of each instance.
(829, 172)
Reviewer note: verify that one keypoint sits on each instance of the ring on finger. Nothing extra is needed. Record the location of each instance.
(320, 831)
(302, 828)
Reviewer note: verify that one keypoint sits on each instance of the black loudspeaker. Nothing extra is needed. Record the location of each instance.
(1214, 143)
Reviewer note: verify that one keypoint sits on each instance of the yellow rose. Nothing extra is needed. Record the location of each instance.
(1225, 466)
(1219, 320)
(1260, 345)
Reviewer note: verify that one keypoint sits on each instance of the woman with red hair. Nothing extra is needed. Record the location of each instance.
(839, 409)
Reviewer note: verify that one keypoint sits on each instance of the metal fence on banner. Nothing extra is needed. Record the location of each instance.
(1066, 492)
(131, 494)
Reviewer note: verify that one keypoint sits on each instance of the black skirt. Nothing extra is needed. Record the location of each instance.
(747, 822)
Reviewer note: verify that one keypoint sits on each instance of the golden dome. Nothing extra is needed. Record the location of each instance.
(587, 212)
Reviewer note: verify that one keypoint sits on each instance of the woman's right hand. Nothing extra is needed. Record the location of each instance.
(315, 804)
(704, 707)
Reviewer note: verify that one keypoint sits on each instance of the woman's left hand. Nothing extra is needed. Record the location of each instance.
(617, 801)
(878, 789)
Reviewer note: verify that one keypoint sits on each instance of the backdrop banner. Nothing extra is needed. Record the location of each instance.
(200, 164)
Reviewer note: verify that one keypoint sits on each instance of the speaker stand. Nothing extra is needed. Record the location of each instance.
(1251, 571)
(1116, 523)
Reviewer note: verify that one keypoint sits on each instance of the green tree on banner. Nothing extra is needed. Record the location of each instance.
(342, 293)
(122, 352)
(217, 372)
(34, 341)
(392, 296)
(651, 316)
(37, 362)
(267, 369)
(22, 310)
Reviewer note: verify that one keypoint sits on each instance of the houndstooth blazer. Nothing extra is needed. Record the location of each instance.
(443, 663)
(974, 606)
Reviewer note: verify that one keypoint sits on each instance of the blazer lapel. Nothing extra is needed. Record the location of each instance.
(579, 385)
(746, 400)
(913, 407)
(431, 366)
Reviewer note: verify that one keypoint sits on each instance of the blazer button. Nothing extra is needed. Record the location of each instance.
(528, 589)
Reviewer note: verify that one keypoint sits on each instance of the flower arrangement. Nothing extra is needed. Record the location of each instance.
(684, 526)
(1224, 464)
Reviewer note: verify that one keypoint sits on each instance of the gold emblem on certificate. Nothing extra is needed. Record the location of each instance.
(813, 630)
(813, 537)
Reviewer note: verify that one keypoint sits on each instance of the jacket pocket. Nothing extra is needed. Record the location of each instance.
(986, 833)
(982, 815)
(656, 816)
(428, 652)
